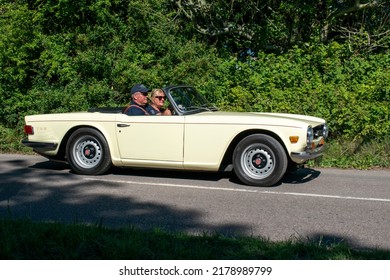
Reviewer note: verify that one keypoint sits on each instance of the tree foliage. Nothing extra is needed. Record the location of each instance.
(351, 93)
(279, 25)
(61, 55)
(324, 58)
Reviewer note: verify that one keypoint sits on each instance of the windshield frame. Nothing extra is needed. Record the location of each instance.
(186, 100)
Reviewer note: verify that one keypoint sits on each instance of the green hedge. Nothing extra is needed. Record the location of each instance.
(351, 92)
(55, 59)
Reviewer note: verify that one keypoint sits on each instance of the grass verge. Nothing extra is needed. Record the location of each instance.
(358, 154)
(25, 239)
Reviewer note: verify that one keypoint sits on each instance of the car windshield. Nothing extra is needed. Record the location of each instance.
(189, 101)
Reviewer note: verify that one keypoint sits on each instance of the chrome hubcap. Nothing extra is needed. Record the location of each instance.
(257, 162)
(87, 153)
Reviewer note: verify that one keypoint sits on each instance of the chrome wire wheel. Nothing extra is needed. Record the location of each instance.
(87, 152)
(258, 162)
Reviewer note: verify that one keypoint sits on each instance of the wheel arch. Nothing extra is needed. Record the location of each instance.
(62, 149)
(227, 159)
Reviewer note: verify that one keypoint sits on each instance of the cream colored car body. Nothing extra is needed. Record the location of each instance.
(196, 142)
(204, 140)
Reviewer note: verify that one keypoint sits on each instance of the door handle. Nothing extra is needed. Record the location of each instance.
(122, 125)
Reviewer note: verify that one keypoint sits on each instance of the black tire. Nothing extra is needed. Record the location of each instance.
(87, 152)
(259, 160)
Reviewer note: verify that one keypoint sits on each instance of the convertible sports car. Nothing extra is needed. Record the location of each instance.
(258, 147)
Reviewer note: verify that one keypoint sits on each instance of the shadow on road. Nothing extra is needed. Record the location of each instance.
(300, 176)
(59, 197)
(24, 194)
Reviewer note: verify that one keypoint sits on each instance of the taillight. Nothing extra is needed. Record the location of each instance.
(28, 129)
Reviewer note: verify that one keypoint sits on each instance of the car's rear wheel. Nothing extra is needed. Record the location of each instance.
(87, 152)
(259, 160)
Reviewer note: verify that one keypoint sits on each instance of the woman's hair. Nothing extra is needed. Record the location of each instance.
(154, 91)
(166, 104)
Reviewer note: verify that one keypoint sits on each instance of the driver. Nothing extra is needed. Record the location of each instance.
(139, 102)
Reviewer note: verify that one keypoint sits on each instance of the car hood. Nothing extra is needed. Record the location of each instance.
(259, 118)
(314, 121)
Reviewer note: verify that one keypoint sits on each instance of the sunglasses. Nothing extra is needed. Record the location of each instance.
(160, 97)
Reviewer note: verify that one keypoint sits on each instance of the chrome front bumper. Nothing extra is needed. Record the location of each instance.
(307, 155)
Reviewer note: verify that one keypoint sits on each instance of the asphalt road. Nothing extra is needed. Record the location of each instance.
(324, 205)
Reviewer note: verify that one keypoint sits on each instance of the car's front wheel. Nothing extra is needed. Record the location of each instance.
(259, 160)
(87, 152)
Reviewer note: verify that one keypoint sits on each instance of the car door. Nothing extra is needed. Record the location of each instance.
(150, 138)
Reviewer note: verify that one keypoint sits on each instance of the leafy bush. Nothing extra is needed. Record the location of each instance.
(350, 92)
(71, 55)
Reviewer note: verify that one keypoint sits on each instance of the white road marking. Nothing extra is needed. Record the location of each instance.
(239, 190)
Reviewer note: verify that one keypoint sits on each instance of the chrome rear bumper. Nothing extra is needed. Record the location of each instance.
(40, 145)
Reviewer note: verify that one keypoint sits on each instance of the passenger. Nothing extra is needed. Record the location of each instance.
(139, 102)
(157, 100)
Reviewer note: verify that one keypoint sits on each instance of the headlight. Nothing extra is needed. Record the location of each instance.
(309, 136)
(325, 130)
